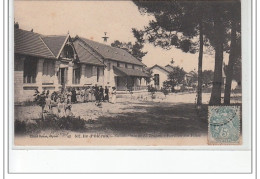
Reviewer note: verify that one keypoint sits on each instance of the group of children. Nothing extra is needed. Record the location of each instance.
(88, 94)
(59, 103)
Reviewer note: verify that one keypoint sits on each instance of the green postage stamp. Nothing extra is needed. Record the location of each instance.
(224, 125)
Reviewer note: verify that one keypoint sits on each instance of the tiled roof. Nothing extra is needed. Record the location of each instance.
(163, 68)
(30, 43)
(192, 73)
(86, 55)
(54, 43)
(169, 67)
(89, 52)
(112, 53)
(129, 72)
(147, 70)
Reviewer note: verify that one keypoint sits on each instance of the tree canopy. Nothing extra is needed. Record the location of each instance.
(191, 25)
(176, 76)
(134, 49)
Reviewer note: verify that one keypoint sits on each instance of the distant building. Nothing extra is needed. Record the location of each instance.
(189, 78)
(169, 67)
(160, 74)
(55, 62)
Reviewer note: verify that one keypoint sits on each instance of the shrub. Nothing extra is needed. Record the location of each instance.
(51, 122)
(40, 99)
(28, 103)
(152, 90)
(165, 91)
(70, 123)
(19, 127)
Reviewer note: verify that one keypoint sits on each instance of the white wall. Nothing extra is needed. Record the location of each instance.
(109, 76)
(48, 75)
(24, 91)
(18, 79)
(90, 75)
(163, 75)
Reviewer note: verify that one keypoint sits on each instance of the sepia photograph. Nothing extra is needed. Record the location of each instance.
(127, 73)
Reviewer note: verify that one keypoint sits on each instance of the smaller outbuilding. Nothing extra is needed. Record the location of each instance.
(160, 74)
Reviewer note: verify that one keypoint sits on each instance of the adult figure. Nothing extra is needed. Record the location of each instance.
(106, 94)
(78, 95)
(96, 93)
(113, 100)
(87, 91)
(82, 95)
(101, 93)
(93, 97)
(69, 95)
(73, 95)
(98, 96)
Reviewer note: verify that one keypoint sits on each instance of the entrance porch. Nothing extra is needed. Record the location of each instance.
(130, 79)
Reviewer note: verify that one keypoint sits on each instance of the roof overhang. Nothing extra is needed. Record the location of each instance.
(33, 55)
(129, 72)
(159, 67)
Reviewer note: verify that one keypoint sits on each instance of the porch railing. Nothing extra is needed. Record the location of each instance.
(138, 88)
(121, 88)
(134, 88)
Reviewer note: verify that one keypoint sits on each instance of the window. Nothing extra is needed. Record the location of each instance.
(62, 76)
(92, 71)
(156, 79)
(45, 68)
(68, 51)
(125, 65)
(48, 68)
(76, 76)
(117, 81)
(29, 73)
(118, 64)
(133, 67)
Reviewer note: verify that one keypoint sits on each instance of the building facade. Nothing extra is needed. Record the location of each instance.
(160, 74)
(56, 62)
(121, 69)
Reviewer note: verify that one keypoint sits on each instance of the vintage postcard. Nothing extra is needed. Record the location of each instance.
(127, 73)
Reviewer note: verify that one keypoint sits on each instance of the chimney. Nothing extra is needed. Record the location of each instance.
(105, 37)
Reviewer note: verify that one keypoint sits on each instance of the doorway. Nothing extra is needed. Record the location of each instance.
(62, 76)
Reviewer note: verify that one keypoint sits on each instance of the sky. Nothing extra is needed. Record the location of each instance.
(90, 19)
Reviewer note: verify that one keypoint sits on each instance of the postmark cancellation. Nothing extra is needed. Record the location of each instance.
(223, 125)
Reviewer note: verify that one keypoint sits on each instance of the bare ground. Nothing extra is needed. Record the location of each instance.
(137, 115)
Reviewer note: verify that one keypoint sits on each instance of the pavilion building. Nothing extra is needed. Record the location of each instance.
(54, 62)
